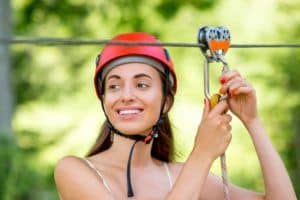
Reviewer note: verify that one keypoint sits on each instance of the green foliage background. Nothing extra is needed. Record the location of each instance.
(57, 112)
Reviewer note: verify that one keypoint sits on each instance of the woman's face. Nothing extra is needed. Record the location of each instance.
(133, 97)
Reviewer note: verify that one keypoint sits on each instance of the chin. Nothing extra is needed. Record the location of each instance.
(131, 130)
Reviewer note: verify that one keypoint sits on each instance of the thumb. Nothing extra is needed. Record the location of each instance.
(205, 109)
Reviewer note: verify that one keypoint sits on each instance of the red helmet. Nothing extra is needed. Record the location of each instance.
(112, 52)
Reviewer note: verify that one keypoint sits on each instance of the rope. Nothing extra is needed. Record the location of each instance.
(224, 177)
(77, 42)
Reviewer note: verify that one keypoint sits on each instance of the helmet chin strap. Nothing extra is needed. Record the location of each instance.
(147, 139)
(153, 134)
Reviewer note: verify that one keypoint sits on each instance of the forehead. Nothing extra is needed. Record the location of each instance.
(132, 69)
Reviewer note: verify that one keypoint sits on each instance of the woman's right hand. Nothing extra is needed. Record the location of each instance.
(213, 135)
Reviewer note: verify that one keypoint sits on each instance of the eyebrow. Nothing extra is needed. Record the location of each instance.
(142, 75)
(113, 76)
(135, 76)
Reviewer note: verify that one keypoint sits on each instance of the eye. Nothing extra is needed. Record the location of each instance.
(142, 85)
(113, 86)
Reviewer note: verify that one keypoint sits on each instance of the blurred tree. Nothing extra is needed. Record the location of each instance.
(48, 76)
(287, 66)
(52, 80)
(6, 97)
(287, 70)
(69, 18)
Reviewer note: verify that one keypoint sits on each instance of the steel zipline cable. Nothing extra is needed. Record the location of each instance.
(76, 42)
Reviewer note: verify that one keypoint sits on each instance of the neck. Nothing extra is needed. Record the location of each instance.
(141, 156)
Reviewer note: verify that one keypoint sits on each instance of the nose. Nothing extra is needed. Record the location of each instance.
(127, 94)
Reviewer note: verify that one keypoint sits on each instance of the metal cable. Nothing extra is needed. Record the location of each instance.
(70, 41)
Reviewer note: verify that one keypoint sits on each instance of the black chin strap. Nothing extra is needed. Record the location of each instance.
(129, 185)
(147, 139)
(133, 137)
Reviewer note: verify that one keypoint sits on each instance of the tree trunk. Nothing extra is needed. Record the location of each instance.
(6, 95)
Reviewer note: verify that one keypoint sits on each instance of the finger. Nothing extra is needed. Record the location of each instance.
(229, 127)
(243, 90)
(225, 87)
(235, 85)
(205, 109)
(226, 127)
(229, 137)
(226, 118)
(220, 108)
(229, 75)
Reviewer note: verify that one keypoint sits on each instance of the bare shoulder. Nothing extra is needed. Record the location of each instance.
(75, 180)
(68, 166)
(68, 163)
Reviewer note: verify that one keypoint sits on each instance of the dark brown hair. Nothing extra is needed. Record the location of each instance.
(163, 146)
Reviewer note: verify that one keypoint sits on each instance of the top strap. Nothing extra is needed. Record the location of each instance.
(92, 166)
(169, 175)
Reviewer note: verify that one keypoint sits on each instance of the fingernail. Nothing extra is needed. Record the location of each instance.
(222, 80)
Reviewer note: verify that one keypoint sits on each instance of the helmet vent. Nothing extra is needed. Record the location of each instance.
(167, 54)
(98, 59)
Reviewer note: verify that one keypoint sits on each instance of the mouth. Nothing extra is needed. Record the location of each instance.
(128, 113)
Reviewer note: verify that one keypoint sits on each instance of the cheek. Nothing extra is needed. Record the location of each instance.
(108, 102)
(153, 100)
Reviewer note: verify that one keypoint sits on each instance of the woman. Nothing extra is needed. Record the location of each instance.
(131, 157)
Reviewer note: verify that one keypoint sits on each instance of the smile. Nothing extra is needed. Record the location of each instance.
(129, 111)
(129, 114)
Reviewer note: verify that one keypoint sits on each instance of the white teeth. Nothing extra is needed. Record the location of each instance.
(128, 112)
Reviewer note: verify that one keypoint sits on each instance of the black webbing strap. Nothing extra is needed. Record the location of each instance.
(128, 176)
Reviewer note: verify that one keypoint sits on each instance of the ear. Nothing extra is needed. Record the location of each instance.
(167, 105)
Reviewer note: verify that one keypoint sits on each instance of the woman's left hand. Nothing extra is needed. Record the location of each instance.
(241, 96)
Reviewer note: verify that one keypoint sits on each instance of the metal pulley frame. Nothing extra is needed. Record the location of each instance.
(216, 42)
